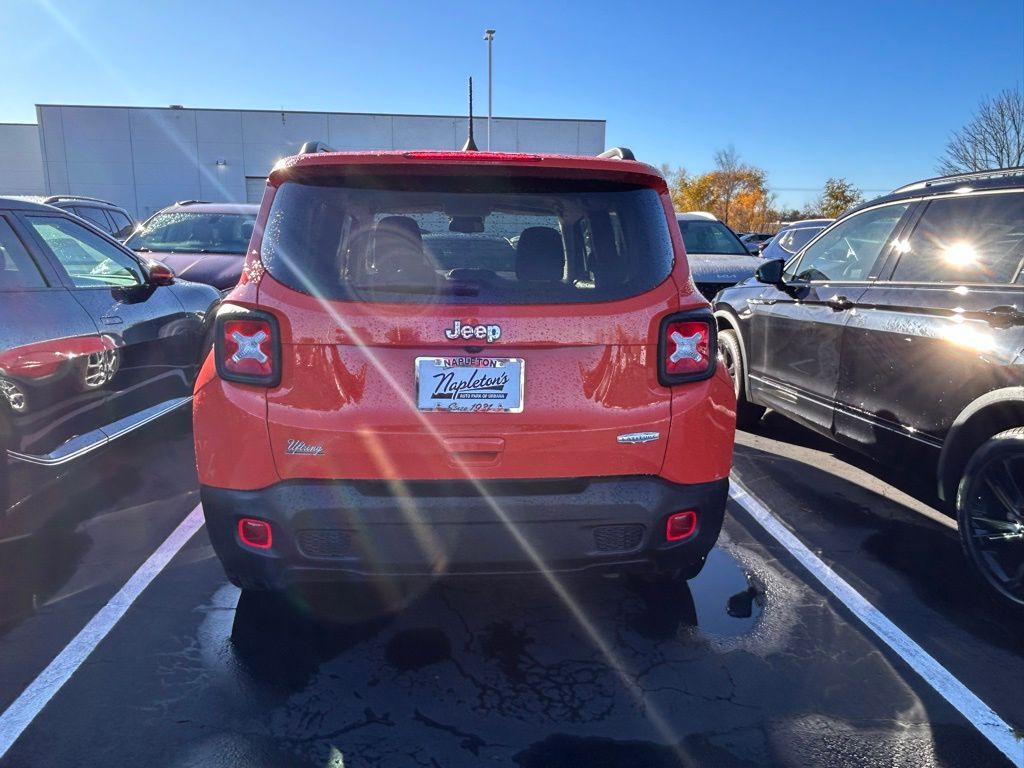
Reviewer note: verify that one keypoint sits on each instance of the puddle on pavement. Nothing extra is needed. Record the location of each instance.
(727, 598)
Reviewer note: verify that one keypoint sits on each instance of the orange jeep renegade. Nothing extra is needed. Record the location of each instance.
(463, 362)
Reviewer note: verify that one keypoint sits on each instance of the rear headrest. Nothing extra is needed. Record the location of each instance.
(402, 227)
(540, 255)
(398, 250)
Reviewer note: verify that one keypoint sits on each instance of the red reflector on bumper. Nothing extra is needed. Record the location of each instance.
(255, 533)
(681, 525)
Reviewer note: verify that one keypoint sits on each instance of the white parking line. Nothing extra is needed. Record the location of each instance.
(17, 717)
(979, 714)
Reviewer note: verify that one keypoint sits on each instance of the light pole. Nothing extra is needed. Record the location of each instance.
(489, 37)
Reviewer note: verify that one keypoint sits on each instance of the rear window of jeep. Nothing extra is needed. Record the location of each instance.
(467, 239)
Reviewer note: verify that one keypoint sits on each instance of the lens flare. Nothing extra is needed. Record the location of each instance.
(960, 254)
(574, 609)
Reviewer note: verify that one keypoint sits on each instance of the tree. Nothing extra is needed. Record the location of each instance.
(677, 182)
(734, 192)
(839, 195)
(993, 139)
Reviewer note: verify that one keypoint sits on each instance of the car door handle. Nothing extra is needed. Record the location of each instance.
(111, 320)
(839, 303)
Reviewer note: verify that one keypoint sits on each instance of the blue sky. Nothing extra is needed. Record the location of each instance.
(806, 90)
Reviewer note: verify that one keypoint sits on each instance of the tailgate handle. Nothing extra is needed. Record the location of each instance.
(478, 451)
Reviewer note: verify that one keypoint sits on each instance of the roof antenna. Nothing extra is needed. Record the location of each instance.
(470, 145)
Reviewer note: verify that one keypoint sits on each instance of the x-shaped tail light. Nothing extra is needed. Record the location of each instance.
(249, 347)
(686, 347)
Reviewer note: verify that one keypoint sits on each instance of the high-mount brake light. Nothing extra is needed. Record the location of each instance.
(471, 157)
(248, 348)
(687, 347)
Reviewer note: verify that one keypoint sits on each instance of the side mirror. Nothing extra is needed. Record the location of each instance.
(770, 272)
(159, 273)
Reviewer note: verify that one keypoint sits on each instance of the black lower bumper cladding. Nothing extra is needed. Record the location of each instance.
(328, 530)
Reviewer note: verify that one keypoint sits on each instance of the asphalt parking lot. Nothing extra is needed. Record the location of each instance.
(756, 662)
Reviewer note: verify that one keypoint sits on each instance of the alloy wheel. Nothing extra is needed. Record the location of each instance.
(994, 503)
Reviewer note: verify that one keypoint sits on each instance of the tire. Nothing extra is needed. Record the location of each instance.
(990, 513)
(747, 414)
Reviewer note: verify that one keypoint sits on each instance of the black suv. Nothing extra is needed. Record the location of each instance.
(111, 218)
(94, 343)
(899, 331)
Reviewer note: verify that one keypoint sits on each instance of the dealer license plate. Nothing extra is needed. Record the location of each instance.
(470, 384)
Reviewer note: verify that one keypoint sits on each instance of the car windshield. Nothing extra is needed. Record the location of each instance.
(706, 236)
(467, 240)
(179, 231)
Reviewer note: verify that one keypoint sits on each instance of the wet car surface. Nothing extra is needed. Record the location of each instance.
(752, 663)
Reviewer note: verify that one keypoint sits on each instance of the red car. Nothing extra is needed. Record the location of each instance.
(463, 362)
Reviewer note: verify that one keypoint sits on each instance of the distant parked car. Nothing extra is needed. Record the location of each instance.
(202, 242)
(899, 331)
(95, 342)
(717, 257)
(792, 237)
(755, 241)
(111, 218)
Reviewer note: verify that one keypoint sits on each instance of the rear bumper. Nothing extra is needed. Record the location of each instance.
(327, 530)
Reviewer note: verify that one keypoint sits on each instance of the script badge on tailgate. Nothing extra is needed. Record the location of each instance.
(299, 448)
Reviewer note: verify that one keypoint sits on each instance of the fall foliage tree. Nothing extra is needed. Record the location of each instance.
(734, 192)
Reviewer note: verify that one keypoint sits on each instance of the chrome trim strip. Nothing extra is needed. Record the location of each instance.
(97, 438)
(899, 429)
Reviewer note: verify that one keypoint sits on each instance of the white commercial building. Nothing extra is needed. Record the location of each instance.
(21, 161)
(146, 158)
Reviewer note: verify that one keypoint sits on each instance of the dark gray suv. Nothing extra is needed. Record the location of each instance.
(899, 331)
(107, 216)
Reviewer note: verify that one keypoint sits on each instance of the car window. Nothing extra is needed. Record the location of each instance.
(464, 240)
(89, 260)
(851, 248)
(978, 239)
(195, 233)
(122, 224)
(703, 236)
(17, 268)
(795, 239)
(94, 216)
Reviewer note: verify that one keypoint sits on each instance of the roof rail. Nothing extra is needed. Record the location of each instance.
(55, 198)
(618, 153)
(997, 173)
(312, 147)
(191, 202)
